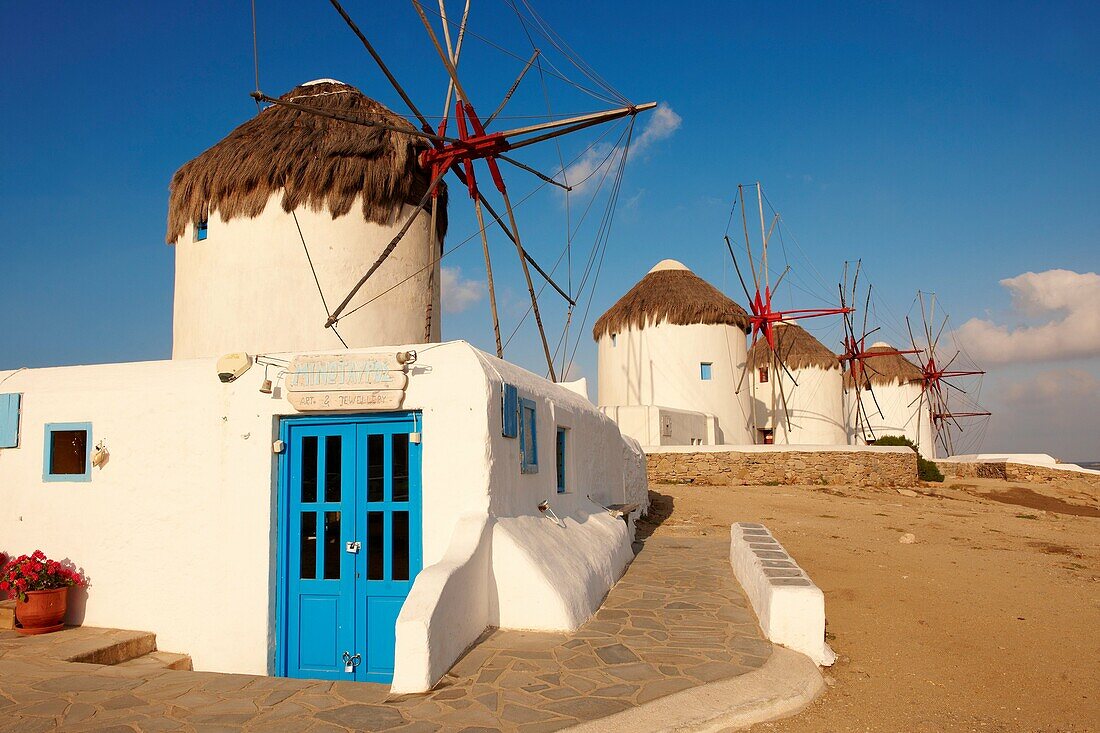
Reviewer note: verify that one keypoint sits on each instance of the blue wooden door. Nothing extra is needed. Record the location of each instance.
(351, 542)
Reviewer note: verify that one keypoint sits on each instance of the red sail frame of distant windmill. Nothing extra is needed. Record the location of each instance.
(937, 381)
(856, 355)
(763, 317)
(458, 154)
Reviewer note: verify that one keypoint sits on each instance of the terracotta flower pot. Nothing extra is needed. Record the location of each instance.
(43, 611)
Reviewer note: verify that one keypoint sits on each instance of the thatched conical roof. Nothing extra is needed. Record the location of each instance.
(889, 369)
(796, 347)
(313, 161)
(670, 293)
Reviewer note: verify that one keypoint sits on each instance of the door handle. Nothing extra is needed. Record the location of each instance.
(352, 547)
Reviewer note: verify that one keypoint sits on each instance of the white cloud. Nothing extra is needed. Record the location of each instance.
(1069, 300)
(1069, 385)
(1055, 411)
(459, 293)
(660, 124)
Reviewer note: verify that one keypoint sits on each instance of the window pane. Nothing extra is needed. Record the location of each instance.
(401, 467)
(333, 445)
(561, 460)
(400, 546)
(309, 469)
(375, 546)
(332, 545)
(308, 564)
(68, 452)
(529, 443)
(376, 468)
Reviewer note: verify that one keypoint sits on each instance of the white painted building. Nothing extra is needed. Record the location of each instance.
(296, 508)
(894, 404)
(802, 404)
(190, 527)
(671, 352)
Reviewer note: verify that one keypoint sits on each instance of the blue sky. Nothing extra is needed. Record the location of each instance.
(949, 146)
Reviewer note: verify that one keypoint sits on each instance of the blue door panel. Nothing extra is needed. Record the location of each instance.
(350, 543)
(320, 580)
(381, 619)
(320, 615)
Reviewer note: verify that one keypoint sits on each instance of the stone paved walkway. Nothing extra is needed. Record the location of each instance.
(677, 619)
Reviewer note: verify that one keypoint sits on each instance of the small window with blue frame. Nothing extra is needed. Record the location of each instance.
(528, 437)
(67, 452)
(201, 230)
(562, 445)
(706, 371)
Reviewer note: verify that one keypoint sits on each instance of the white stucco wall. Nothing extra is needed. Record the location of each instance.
(180, 520)
(654, 425)
(248, 286)
(815, 413)
(904, 412)
(447, 608)
(1041, 460)
(788, 605)
(659, 365)
(635, 475)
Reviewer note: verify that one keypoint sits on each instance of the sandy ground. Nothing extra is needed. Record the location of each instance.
(988, 621)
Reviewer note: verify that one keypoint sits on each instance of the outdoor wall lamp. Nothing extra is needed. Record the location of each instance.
(544, 508)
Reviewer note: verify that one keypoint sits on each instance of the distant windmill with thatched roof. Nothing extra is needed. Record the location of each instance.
(899, 406)
(797, 388)
(670, 352)
(283, 216)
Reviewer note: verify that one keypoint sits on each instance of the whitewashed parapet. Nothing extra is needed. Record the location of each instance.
(790, 608)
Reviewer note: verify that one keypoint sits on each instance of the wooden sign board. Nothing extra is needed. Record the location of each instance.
(342, 382)
(377, 399)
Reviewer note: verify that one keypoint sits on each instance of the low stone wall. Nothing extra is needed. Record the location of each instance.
(1007, 471)
(738, 468)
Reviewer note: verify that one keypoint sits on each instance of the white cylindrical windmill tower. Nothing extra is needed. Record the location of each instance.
(898, 407)
(805, 410)
(675, 341)
(286, 214)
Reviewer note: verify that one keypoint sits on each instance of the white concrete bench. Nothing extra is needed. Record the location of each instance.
(790, 608)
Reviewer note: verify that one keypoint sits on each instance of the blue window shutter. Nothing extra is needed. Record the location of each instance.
(705, 370)
(529, 440)
(509, 399)
(9, 420)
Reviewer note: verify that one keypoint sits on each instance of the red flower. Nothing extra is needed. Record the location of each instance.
(37, 572)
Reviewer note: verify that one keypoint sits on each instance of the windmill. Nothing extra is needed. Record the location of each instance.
(764, 318)
(456, 152)
(939, 381)
(856, 357)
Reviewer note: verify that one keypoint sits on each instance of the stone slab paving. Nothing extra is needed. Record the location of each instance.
(676, 620)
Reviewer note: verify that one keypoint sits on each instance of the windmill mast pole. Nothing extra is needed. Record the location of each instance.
(767, 297)
(763, 235)
(504, 194)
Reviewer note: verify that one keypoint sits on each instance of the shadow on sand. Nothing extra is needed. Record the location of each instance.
(660, 509)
